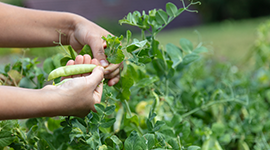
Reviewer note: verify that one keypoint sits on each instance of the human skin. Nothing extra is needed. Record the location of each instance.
(75, 97)
(22, 27)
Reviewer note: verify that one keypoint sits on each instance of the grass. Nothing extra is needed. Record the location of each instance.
(227, 40)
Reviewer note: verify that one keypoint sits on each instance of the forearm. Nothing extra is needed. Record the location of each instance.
(20, 103)
(22, 27)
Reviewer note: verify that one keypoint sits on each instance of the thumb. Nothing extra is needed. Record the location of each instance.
(96, 77)
(99, 53)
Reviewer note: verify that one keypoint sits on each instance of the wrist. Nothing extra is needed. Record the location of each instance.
(52, 101)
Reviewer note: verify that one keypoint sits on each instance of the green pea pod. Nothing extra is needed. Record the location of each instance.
(62, 82)
(71, 70)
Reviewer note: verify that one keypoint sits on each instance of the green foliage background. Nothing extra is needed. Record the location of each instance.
(171, 96)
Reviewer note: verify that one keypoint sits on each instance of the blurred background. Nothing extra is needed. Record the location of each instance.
(226, 27)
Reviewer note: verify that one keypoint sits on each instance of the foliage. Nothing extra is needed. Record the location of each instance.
(169, 97)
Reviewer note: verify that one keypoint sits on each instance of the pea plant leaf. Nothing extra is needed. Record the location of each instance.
(117, 141)
(171, 9)
(194, 147)
(128, 36)
(6, 138)
(72, 52)
(86, 50)
(186, 45)
(200, 49)
(123, 86)
(190, 58)
(117, 57)
(174, 144)
(106, 123)
(48, 65)
(161, 17)
(175, 53)
(150, 140)
(100, 108)
(135, 142)
(113, 51)
(110, 109)
(136, 44)
(180, 11)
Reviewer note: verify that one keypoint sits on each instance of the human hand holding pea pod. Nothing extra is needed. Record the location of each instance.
(83, 91)
(86, 32)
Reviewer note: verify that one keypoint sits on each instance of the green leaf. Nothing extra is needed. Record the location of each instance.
(158, 125)
(117, 141)
(175, 53)
(174, 143)
(193, 147)
(135, 142)
(79, 124)
(200, 49)
(147, 81)
(6, 138)
(72, 52)
(87, 50)
(150, 140)
(186, 45)
(27, 83)
(183, 129)
(117, 57)
(190, 58)
(106, 123)
(155, 49)
(218, 129)
(7, 68)
(93, 141)
(48, 65)
(43, 145)
(161, 17)
(180, 11)
(31, 133)
(124, 86)
(128, 36)
(110, 109)
(135, 45)
(171, 9)
(100, 108)
(95, 119)
(160, 139)
(57, 60)
(103, 147)
(53, 124)
(64, 60)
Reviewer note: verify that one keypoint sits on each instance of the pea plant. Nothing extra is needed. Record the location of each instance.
(168, 97)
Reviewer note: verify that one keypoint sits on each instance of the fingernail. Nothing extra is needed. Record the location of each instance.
(104, 63)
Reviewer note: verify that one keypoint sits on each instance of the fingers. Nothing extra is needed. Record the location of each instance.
(97, 47)
(86, 60)
(96, 78)
(114, 80)
(112, 72)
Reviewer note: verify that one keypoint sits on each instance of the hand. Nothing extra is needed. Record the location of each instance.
(84, 91)
(86, 32)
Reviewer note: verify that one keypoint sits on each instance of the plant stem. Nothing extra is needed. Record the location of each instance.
(128, 109)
